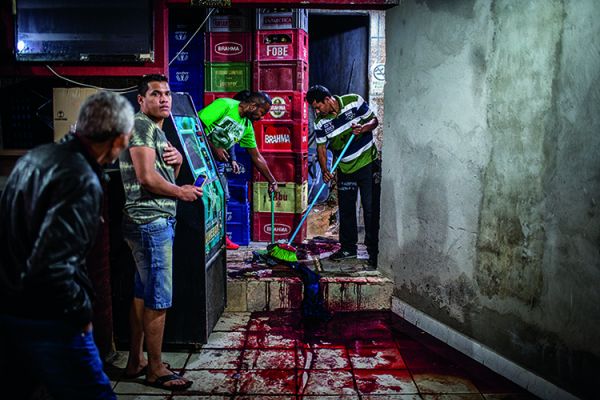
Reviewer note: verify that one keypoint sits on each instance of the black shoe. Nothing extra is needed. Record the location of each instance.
(342, 255)
(371, 265)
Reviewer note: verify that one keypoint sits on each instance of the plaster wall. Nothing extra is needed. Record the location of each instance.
(491, 176)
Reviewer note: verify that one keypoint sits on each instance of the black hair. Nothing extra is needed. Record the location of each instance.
(142, 86)
(258, 98)
(317, 93)
(243, 95)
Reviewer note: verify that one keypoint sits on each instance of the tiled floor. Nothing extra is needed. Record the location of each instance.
(357, 355)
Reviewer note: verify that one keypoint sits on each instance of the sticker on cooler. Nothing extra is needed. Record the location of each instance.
(278, 107)
(229, 48)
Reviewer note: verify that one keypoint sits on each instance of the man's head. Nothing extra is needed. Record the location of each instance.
(321, 100)
(105, 121)
(255, 105)
(154, 97)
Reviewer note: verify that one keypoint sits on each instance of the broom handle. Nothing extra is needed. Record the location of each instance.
(272, 218)
(312, 203)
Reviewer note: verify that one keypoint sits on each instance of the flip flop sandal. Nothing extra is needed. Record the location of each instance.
(161, 383)
(142, 372)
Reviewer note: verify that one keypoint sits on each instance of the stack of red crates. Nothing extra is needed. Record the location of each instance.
(228, 54)
(228, 64)
(281, 70)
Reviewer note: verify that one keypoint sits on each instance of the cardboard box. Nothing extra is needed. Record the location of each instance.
(66, 103)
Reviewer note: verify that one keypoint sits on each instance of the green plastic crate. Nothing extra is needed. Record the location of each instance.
(227, 77)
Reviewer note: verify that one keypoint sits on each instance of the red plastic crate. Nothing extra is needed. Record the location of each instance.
(281, 18)
(280, 75)
(230, 20)
(228, 47)
(209, 97)
(285, 225)
(287, 106)
(285, 167)
(286, 44)
(281, 136)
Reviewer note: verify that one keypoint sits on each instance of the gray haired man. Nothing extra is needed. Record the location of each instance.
(50, 213)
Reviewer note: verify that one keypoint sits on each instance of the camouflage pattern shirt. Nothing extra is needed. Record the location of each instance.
(142, 206)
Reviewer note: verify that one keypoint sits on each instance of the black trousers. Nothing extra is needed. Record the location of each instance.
(368, 181)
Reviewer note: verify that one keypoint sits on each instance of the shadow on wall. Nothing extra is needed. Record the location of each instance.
(425, 274)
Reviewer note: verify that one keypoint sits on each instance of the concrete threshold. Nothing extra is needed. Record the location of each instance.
(346, 285)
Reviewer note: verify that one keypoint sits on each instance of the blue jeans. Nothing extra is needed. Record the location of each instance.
(56, 353)
(152, 247)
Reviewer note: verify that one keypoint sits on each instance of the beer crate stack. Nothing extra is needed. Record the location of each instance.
(228, 65)
(185, 69)
(281, 70)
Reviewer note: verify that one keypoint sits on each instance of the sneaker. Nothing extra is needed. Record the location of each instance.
(342, 255)
(229, 245)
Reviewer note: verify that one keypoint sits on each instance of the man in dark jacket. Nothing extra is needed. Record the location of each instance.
(50, 213)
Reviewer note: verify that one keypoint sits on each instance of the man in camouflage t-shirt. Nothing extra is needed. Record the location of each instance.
(340, 117)
(148, 169)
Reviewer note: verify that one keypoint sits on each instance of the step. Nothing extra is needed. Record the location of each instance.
(340, 293)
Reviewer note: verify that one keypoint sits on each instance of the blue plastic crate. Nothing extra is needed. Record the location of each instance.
(193, 54)
(238, 191)
(238, 222)
(188, 79)
(238, 212)
(245, 162)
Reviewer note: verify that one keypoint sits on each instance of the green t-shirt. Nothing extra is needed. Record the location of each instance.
(224, 125)
(142, 206)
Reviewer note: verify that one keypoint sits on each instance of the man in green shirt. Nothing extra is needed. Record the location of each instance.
(340, 117)
(229, 121)
(148, 169)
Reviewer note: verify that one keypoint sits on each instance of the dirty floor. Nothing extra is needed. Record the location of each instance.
(372, 355)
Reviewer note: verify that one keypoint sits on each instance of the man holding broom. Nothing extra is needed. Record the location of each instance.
(338, 118)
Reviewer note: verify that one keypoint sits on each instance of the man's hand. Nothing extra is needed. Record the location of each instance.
(221, 154)
(273, 187)
(357, 129)
(327, 176)
(172, 156)
(189, 192)
(235, 167)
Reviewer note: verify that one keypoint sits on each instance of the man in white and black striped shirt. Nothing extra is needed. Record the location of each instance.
(338, 118)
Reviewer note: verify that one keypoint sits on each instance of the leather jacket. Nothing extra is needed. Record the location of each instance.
(49, 214)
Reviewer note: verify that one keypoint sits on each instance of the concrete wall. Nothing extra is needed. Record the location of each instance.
(491, 155)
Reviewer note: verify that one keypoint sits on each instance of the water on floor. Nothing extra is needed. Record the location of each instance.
(371, 355)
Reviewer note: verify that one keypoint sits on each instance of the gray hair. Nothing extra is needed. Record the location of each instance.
(104, 116)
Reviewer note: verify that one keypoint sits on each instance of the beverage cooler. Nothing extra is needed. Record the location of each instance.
(199, 256)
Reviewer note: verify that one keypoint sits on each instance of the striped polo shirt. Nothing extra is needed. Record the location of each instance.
(336, 131)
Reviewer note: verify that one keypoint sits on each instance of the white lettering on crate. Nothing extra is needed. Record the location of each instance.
(228, 48)
(280, 229)
(277, 20)
(274, 139)
(277, 51)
